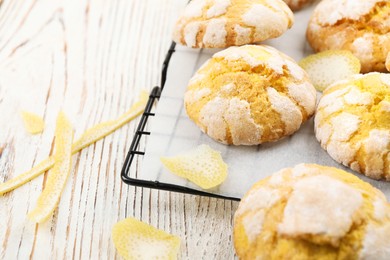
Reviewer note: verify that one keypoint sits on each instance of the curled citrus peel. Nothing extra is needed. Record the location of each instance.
(101, 130)
(327, 67)
(33, 123)
(202, 166)
(137, 240)
(58, 175)
(91, 136)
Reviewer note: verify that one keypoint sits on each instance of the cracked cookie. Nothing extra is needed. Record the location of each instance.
(249, 95)
(312, 212)
(223, 23)
(360, 26)
(352, 123)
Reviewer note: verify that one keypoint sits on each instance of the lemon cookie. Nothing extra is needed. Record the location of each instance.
(353, 123)
(296, 5)
(223, 23)
(312, 212)
(249, 95)
(388, 62)
(360, 26)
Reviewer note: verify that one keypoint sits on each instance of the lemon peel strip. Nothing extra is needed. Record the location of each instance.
(27, 176)
(101, 130)
(90, 136)
(33, 123)
(58, 175)
(203, 166)
(325, 68)
(137, 240)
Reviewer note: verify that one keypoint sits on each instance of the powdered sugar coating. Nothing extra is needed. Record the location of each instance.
(289, 112)
(277, 178)
(228, 89)
(269, 57)
(219, 8)
(237, 53)
(243, 128)
(312, 212)
(342, 152)
(376, 244)
(231, 114)
(258, 199)
(345, 9)
(363, 47)
(253, 225)
(265, 20)
(352, 124)
(195, 8)
(315, 208)
(220, 114)
(376, 145)
(385, 106)
(359, 26)
(323, 132)
(196, 95)
(334, 100)
(191, 31)
(295, 70)
(243, 34)
(381, 208)
(302, 170)
(212, 115)
(344, 125)
(303, 93)
(357, 97)
(215, 35)
(243, 22)
(385, 78)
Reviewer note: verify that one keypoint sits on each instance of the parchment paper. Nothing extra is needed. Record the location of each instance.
(173, 132)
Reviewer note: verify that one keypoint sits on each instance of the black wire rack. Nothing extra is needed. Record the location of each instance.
(133, 152)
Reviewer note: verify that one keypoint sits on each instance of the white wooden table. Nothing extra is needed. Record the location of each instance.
(90, 59)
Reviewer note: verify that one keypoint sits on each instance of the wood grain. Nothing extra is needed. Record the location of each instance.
(89, 59)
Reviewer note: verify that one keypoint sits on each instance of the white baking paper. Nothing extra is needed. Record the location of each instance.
(173, 132)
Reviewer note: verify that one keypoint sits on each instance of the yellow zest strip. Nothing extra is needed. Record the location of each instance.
(27, 176)
(327, 67)
(137, 240)
(203, 166)
(33, 123)
(91, 136)
(58, 175)
(103, 129)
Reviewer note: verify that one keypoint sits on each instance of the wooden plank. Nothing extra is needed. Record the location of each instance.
(90, 59)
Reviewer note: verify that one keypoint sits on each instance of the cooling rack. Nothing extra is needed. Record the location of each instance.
(133, 152)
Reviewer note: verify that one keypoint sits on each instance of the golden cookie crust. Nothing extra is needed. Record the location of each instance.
(352, 123)
(312, 212)
(360, 26)
(249, 95)
(388, 62)
(223, 23)
(297, 5)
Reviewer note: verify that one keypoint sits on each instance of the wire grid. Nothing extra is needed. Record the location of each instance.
(143, 124)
